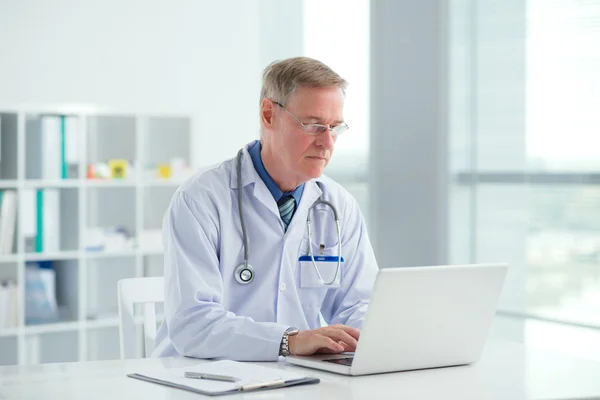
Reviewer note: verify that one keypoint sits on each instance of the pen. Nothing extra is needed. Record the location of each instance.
(200, 375)
(254, 386)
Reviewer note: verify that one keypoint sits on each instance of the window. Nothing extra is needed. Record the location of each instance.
(525, 150)
(336, 32)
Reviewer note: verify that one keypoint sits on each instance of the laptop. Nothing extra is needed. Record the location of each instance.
(421, 317)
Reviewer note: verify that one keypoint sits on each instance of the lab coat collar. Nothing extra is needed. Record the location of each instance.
(249, 174)
(312, 191)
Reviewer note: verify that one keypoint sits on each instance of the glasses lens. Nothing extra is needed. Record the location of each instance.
(338, 130)
(314, 129)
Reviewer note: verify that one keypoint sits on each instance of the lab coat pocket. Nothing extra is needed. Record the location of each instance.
(326, 266)
(311, 290)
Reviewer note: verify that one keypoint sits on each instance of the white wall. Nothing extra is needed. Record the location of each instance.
(203, 58)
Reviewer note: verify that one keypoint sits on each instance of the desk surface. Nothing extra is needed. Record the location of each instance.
(506, 371)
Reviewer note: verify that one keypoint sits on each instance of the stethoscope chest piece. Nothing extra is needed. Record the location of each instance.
(244, 273)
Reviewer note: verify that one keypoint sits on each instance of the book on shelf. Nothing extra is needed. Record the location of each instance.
(0, 137)
(48, 220)
(41, 220)
(53, 150)
(9, 307)
(8, 219)
(40, 293)
(70, 147)
(51, 133)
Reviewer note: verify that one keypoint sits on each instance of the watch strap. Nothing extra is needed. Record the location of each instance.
(284, 347)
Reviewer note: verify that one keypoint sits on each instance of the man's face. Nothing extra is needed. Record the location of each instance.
(302, 156)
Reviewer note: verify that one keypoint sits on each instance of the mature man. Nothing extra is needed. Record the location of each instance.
(265, 298)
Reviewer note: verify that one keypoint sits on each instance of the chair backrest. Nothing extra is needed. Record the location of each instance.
(131, 291)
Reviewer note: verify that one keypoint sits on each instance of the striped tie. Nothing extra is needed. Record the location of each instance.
(287, 206)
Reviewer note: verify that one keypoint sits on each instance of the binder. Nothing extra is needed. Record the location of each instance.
(9, 305)
(51, 147)
(47, 221)
(29, 219)
(40, 293)
(69, 147)
(51, 221)
(12, 317)
(250, 377)
(8, 219)
(43, 148)
(4, 305)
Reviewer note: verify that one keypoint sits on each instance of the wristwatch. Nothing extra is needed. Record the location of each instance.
(284, 347)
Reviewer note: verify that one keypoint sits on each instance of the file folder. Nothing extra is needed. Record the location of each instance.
(249, 377)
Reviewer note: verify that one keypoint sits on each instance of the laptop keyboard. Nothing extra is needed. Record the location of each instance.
(341, 361)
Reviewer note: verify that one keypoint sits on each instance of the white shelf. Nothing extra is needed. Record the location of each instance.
(69, 326)
(57, 327)
(38, 329)
(164, 182)
(132, 183)
(76, 183)
(109, 254)
(8, 183)
(41, 183)
(86, 280)
(66, 326)
(157, 252)
(110, 183)
(107, 322)
(62, 255)
(123, 253)
(72, 255)
(9, 332)
(111, 322)
(9, 258)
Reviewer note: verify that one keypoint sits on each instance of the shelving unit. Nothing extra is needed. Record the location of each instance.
(86, 281)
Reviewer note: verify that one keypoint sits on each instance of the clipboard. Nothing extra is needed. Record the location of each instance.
(250, 378)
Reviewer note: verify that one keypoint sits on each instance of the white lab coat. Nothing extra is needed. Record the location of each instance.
(208, 313)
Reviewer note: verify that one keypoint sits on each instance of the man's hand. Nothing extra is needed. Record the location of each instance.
(331, 339)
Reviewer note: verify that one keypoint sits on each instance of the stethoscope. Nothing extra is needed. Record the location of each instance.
(244, 273)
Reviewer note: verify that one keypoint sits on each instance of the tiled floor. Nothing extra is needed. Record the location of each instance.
(574, 341)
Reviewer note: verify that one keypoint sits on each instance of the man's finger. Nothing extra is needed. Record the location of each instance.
(355, 333)
(324, 342)
(347, 348)
(340, 335)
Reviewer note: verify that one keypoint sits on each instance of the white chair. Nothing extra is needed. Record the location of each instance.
(146, 291)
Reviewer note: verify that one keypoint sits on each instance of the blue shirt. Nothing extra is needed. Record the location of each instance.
(254, 151)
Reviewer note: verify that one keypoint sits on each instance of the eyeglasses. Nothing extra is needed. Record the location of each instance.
(317, 129)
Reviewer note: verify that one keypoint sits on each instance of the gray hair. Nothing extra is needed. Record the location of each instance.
(281, 79)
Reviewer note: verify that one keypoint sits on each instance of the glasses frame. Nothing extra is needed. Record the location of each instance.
(335, 130)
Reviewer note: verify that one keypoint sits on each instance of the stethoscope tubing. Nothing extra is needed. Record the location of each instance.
(247, 267)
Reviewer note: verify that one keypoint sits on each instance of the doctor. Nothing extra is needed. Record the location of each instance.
(241, 279)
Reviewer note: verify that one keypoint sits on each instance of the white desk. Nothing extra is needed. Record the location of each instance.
(506, 371)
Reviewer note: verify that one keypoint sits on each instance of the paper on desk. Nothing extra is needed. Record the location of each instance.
(246, 373)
